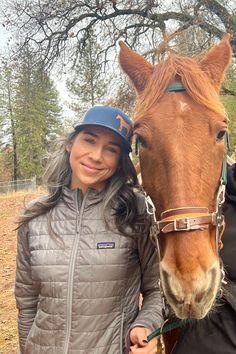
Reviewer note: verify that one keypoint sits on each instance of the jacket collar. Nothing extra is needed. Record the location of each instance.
(72, 197)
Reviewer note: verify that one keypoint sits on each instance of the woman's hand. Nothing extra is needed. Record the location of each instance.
(138, 336)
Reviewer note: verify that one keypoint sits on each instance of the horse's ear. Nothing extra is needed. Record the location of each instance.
(135, 66)
(217, 60)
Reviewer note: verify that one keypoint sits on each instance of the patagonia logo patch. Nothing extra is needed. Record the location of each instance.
(104, 245)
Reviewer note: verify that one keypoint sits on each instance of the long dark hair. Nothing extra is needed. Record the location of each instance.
(120, 193)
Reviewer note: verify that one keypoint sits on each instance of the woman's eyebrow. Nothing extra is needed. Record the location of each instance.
(114, 143)
(90, 133)
(96, 136)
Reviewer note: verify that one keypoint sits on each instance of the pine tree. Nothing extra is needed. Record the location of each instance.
(37, 115)
(229, 89)
(88, 83)
(7, 121)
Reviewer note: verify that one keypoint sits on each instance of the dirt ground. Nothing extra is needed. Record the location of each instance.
(10, 206)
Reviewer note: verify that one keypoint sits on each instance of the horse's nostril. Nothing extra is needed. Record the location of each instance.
(207, 292)
(199, 297)
(180, 302)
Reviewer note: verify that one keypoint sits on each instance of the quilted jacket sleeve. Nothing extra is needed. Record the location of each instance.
(150, 315)
(26, 292)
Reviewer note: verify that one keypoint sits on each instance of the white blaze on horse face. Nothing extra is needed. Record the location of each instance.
(183, 106)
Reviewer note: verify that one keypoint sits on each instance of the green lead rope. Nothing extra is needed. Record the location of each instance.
(166, 328)
(224, 169)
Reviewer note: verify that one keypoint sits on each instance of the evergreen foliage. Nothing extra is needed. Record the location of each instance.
(36, 116)
(88, 84)
(229, 100)
(7, 122)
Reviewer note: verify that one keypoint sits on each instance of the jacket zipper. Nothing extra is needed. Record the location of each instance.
(121, 331)
(71, 272)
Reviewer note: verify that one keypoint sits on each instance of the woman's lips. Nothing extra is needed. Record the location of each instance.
(91, 168)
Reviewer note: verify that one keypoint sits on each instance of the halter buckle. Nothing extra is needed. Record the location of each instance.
(185, 221)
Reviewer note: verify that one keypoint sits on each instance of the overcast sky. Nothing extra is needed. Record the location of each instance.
(3, 36)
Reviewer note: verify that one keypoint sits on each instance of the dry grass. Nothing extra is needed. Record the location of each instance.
(10, 206)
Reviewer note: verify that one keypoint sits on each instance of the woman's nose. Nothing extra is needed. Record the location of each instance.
(96, 154)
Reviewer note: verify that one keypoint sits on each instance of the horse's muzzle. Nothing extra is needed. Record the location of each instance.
(191, 298)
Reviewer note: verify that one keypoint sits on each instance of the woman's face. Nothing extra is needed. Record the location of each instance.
(94, 157)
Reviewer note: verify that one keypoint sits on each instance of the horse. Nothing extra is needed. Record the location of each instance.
(180, 126)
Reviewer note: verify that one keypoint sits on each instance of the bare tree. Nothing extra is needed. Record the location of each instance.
(60, 28)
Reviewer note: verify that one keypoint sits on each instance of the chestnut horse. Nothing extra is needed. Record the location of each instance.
(180, 124)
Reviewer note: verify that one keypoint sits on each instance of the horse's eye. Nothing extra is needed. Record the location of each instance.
(138, 142)
(141, 142)
(221, 135)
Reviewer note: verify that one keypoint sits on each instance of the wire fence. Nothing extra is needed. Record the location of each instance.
(18, 185)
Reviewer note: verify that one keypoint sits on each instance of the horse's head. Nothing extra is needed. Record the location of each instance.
(180, 124)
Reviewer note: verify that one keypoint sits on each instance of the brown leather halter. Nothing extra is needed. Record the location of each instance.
(189, 218)
(185, 219)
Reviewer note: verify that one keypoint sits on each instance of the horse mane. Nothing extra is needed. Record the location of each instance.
(180, 69)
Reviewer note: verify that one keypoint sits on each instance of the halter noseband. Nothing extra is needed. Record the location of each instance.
(185, 219)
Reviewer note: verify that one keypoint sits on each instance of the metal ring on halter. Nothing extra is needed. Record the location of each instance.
(149, 203)
(220, 196)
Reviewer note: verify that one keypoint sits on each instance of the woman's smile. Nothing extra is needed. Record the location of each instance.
(90, 168)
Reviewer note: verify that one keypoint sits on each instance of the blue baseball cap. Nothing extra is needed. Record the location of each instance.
(111, 118)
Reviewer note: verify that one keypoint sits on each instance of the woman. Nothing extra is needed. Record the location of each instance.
(83, 250)
(216, 334)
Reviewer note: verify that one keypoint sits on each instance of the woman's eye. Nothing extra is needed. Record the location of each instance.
(89, 140)
(113, 150)
(221, 135)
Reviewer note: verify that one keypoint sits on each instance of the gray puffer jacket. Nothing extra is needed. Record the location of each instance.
(80, 294)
